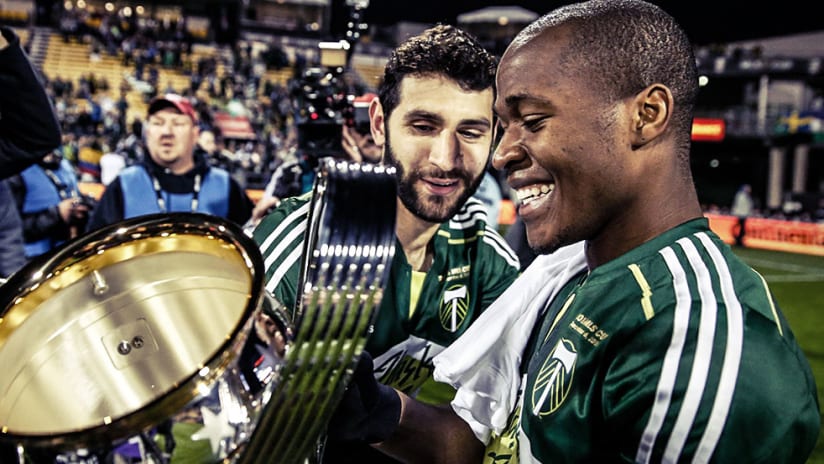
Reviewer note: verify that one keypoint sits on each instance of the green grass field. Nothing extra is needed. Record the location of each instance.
(797, 281)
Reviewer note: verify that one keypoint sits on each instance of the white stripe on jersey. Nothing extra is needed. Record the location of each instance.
(469, 215)
(283, 269)
(702, 357)
(295, 215)
(732, 354)
(284, 243)
(494, 240)
(300, 214)
(666, 381)
(469, 209)
(698, 377)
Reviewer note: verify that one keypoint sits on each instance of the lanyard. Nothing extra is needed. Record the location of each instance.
(161, 202)
(62, 189)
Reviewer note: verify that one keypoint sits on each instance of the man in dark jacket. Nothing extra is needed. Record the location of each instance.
(50, 203)
(28, 130)
(172, 178)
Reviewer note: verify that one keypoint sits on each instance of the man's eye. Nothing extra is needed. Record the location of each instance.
(534, 124)
(472, 134)
(423, 128)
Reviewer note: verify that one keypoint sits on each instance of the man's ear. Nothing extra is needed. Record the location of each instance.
(652, 108)
(377, 122)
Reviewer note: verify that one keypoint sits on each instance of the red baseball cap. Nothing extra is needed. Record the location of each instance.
(171, 100)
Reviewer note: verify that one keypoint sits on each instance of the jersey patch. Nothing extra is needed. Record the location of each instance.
(554, 380)
(461, 272)
(588, 329)
(454, 307)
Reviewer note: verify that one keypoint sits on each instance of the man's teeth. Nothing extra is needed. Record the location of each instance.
(529, 194)
(441, 182)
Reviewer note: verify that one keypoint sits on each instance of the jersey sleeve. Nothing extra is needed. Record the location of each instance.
(280, 236)
(693, 386)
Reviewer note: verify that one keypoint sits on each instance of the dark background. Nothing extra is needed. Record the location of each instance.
(705, 21)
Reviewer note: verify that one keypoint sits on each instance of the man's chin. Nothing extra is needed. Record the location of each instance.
(167, 158)
(543, 245)
(437, 211)
(431, 207)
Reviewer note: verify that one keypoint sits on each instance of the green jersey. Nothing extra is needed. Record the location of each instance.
(472, 265)
(673, 352)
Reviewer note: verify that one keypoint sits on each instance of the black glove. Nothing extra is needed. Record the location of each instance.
(368, 412)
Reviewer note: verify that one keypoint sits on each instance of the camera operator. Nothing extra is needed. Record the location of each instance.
(50, 203)
(216, 154)
(357, 138)
(295, 177)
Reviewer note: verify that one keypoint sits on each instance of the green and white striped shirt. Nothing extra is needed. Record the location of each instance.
(472, 265)
(673, 352)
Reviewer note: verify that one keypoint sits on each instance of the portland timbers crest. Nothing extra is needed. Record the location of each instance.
(454, 307)
(554, 380)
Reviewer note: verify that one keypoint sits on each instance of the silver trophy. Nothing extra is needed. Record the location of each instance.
(154, 341)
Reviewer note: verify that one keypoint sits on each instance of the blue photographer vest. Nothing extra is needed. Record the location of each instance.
(142, 199)
(42, 193)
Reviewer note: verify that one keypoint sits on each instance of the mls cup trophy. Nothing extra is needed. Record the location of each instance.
(153, 340)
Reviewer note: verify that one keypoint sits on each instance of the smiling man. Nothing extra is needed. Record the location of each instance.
(173, 178)
(433, 120)
(638, 336)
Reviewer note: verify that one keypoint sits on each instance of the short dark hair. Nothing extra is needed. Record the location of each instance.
(442, 50)
(622, 46)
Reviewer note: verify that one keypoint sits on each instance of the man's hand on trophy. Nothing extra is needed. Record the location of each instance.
(369, 411)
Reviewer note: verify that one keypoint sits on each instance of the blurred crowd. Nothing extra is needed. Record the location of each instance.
(106, 128)
(94, 113)
(102, 134)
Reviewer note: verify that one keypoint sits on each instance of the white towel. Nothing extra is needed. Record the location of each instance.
(484, 363)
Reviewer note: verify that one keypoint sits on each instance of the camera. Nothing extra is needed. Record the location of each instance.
(324, 104)
(321, 96)
(321, 103)
(357, 114)
(87, 200)
(80, 218)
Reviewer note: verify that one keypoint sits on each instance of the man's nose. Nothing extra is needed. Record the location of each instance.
(506, 152)
(445, 151)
